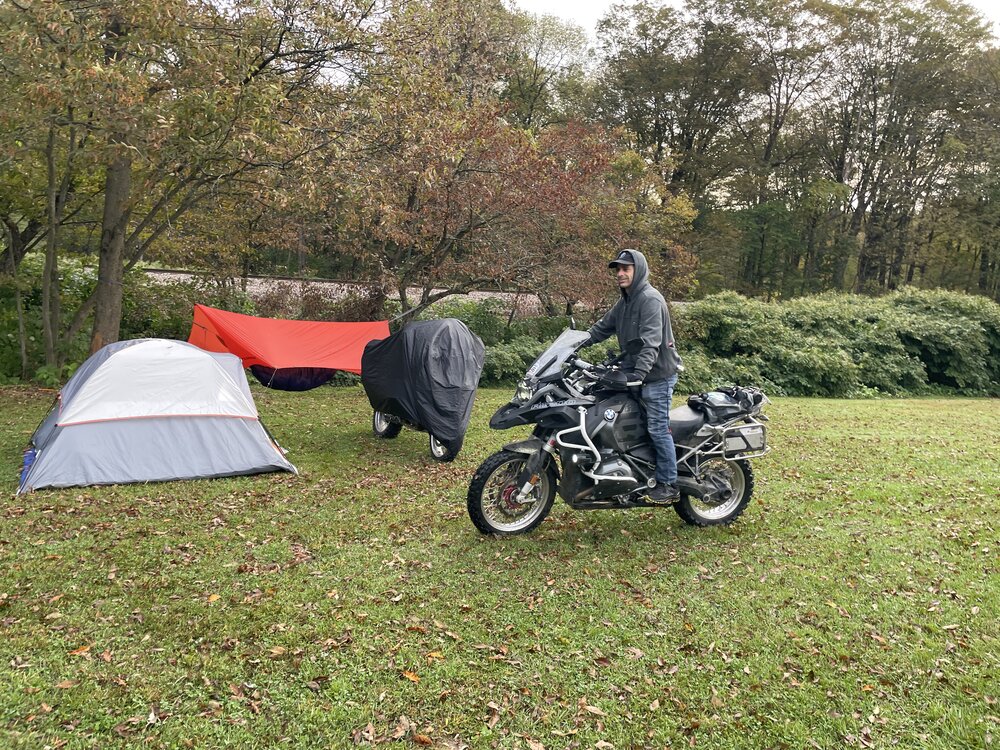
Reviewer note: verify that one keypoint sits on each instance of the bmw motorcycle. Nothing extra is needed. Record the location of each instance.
(590, 445)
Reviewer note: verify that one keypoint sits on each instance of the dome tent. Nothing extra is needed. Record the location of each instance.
(151, 410)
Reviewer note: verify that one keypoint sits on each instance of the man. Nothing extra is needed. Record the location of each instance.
(641, 313)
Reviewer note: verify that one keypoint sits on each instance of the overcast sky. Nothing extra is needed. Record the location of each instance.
(586, 13)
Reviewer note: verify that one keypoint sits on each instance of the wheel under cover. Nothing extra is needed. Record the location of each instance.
(383, 426)
(440, 450)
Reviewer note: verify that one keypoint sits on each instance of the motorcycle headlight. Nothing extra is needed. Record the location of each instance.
(523, 392)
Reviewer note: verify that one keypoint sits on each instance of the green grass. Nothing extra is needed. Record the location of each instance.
(855, 604)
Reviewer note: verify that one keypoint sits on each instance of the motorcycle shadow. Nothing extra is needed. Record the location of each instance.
(653, 523)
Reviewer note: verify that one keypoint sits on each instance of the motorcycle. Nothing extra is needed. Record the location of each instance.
(590, 445)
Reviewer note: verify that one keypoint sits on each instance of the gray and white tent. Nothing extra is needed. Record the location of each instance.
(152, 410)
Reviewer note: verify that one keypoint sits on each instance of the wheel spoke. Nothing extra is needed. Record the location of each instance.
(721, 474)
(499, 502)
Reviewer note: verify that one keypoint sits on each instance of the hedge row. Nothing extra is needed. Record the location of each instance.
(907, 343)
(910, 342)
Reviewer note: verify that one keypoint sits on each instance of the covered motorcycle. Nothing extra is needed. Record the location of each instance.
(424, 377)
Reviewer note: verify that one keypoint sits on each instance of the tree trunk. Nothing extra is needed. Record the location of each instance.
(22, 335)
(984, 269)
(114, 225)
(17, 243)
(50, 272)
(110, 272)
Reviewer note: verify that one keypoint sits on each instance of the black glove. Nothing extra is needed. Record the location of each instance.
(632, 377)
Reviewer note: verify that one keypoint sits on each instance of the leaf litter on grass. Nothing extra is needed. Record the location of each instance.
(851, 606)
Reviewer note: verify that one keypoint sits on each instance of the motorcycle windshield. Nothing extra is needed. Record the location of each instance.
(552, 359)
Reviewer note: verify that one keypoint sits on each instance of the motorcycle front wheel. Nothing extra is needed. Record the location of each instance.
(733, 481)
(383, 427)
(492, 499)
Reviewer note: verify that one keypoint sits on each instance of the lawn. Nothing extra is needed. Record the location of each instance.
(855, 604)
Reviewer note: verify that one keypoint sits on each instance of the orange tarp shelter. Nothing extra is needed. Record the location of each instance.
(292, 355)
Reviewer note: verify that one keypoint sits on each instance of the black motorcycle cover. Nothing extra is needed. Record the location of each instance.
(426, 375)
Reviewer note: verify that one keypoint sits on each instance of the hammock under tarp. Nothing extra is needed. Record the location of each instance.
(290, 355)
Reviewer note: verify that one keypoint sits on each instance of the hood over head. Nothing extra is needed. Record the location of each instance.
(633, 257)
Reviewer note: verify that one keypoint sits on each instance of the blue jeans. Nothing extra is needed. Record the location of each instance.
(656, 398)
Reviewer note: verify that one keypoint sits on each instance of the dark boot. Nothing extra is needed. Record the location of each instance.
(664, 494)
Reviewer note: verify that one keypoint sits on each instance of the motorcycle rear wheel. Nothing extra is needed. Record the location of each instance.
(492, 502)
(739, 476)
(383, 427)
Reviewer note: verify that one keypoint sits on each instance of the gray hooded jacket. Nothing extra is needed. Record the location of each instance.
(641, 313)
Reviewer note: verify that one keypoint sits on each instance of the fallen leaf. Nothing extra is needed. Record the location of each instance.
(79, 651)
(594, 710)
(214, 598)
(403, 727)
(411, 676)
(66, 684)
(422, 739)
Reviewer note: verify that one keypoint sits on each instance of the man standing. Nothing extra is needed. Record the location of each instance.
(641, 313)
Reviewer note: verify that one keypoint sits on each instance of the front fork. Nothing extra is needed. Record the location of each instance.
(539, 454)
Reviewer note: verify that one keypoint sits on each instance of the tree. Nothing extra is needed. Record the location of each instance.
(178, 102)
(546, 83)
(675, 80)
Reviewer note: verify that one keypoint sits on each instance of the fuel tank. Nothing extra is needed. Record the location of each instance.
(617, 422)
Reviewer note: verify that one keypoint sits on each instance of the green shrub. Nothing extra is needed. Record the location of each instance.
(866, 329)
(956, 337)
(77, 280)
(501, 366)
(486, 319)
(541, 328)
(833, 345)
(811, 371)
(729, 325)
(153, 309)
(698, 375)
(506, 363)
(911, 342)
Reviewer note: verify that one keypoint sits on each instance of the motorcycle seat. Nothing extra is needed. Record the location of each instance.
(685, 421)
